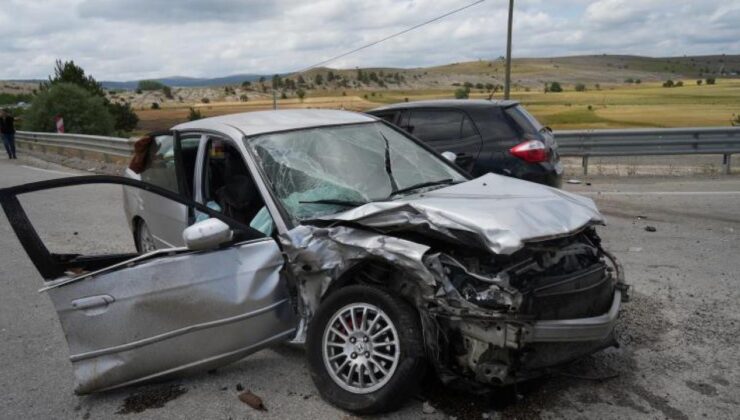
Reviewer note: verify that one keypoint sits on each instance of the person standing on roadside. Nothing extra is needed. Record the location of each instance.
(7, 128)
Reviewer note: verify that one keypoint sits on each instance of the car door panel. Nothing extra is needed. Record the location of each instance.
(154, 315)
(223, 309)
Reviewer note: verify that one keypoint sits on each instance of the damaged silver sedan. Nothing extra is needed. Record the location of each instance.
(336, 229)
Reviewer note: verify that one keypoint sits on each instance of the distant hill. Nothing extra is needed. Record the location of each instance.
(526, 72)
(182, 81)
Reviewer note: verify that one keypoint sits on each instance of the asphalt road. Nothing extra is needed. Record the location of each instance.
(680, 333)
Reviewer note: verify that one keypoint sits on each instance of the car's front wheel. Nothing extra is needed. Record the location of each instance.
(365, 350)
(144, 239)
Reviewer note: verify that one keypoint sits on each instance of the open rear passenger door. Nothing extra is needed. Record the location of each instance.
(129, 318)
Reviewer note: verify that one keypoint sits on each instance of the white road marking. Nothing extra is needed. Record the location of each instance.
(51, 171)
(658, 193)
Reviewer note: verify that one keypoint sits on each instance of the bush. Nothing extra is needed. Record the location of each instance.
(167, 92)
(68, 72)
(205, 100)
(155, 105)
(699, 82)
(150, 85)
(194, 114)
(629, 80)
(555, 87)
(83, 112)
(244, 98)
(462, 93)
(590, 108)
(678, 84)
(580, 87)
(124, 116)
(301, 94)
(711, 80)
(668, 83)
(12, 98)
(735, 120)
(638, 81)
(246, 84)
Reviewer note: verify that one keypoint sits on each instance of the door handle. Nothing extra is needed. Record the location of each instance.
(92, 302)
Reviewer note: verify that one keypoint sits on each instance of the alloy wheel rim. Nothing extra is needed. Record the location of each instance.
(361, 348)
(146, 242)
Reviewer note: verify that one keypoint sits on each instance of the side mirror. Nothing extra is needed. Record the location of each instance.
(450, 156)
(207, 234)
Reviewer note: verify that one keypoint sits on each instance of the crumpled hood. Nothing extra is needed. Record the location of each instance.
(502, 212)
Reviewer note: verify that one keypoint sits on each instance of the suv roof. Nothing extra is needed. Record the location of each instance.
(449, 103)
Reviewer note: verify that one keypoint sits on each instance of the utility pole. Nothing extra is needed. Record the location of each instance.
(274, 99)
(507, 87)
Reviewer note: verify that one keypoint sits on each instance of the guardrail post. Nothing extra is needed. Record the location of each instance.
(727, 163)
(585, 165)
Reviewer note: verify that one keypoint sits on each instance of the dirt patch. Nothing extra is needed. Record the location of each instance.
(658, 402)
(642, 322)
(702, 388)
(707, 324)
(719, 380)
(151, 397)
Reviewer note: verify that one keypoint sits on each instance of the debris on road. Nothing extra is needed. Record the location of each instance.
(151, 397)
(427, 408)
(239, 387)
(252, 400)
(650, 229)
(574, 181)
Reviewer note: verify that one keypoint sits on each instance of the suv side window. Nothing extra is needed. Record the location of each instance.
(388, 116)
(161, 170)
(500, 126)
(436, 125)
(468, 129)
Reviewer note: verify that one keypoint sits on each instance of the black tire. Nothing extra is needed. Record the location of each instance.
(404, 381)
(140, 227)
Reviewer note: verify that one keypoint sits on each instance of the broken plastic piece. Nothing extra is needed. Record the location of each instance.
(252, 400)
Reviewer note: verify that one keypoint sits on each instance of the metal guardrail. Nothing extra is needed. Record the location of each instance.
(582, 143)
(647, 142)
(82, 145)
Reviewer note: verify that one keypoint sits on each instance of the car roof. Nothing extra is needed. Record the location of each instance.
(448, 103)
(259, 122)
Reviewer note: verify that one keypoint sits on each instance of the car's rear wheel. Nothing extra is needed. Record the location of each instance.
(144, 239)
(365, 350)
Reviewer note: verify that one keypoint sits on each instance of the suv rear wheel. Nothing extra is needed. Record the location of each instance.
(365, 350)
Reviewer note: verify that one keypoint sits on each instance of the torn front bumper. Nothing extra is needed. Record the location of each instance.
(583, 329)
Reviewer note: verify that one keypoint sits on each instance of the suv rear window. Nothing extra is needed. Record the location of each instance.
(526, 122)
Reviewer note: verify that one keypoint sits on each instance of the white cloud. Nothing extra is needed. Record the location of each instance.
(134, 39)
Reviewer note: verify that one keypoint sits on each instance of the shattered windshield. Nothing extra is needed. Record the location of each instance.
(324, 170)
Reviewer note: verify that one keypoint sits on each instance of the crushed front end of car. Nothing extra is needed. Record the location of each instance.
(509, 277)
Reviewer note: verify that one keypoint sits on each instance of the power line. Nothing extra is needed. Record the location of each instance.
(452, 12)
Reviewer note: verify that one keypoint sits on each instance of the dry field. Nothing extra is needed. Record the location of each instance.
(610, 106)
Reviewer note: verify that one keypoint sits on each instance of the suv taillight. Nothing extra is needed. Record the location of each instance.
(532, 151)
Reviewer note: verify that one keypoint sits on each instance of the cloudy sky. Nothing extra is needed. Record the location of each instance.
(135, 39)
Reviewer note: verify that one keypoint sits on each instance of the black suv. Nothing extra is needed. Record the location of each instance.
(487, 136)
